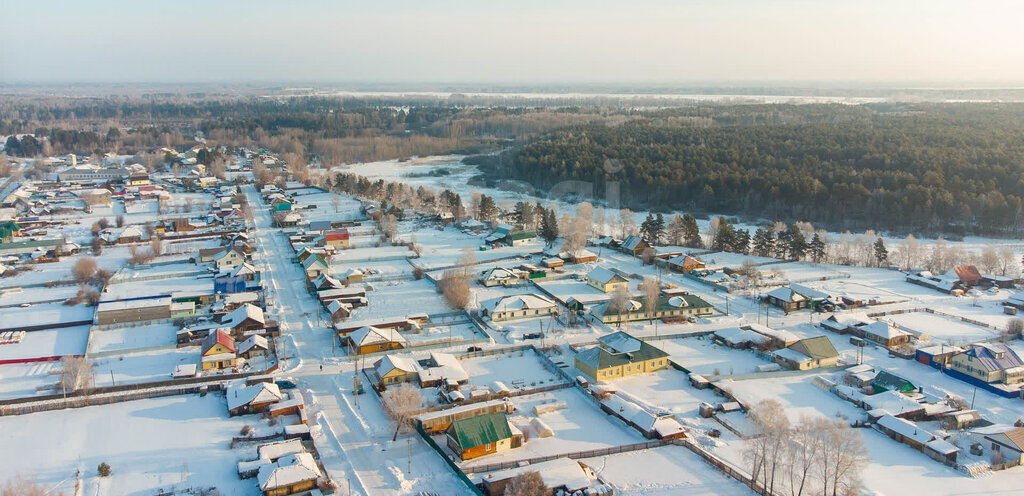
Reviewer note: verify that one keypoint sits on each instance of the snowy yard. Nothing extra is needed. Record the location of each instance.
(942, 329)
(168, 443)
(47, 343)
(518, 369)
(143, 366)
(580, 426)
(130, 338)
(664, 471)
(701, 356)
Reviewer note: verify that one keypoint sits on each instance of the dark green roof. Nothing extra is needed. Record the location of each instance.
(817, 347)
(885, 381)
(8, 228)
(481, 430)
(516, 236)
(605, 355)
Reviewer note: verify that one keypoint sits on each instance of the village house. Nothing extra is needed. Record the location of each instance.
(685, 264)
(796, 297)
(634, 245)
(338, 310)
(246, 398)
(8, 230)
(1007, 440)
(880, 332)
(518, 306)
(582, 256)
(291, 474)
(218, 351)
(990, 363)
(369, 339)
(338, 238)
(676, 307)
(435, 370)
(253, 346)
(244, 319)
(314, 265)
(606, 280)
(619, 355)
(809, 353)
(228, 259)
(500, 276)
(904, 431)
(482, 435)
(133, 310)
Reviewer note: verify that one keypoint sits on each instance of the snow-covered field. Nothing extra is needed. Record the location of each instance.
(664, 471)
(129, 338)
(517, 370)
(47, 343)
(171, 443)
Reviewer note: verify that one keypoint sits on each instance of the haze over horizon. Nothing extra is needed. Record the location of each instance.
(530, 42)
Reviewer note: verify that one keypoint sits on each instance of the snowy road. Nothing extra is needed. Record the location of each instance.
(354, 440)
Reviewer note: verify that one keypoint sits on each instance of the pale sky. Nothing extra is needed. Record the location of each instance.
(515, 42)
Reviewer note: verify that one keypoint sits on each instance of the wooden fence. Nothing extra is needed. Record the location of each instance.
(611, 450)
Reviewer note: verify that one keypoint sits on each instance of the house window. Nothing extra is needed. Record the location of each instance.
(629, 368)
(661, 362)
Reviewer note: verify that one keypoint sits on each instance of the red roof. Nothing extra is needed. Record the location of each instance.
(967, 273)
(219, 337)
(336, 235)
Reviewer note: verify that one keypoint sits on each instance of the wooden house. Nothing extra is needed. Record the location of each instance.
(253, 346)
(619, 355)
(796, 297)
(809, 353)
(291, 474)
(519, 307)
(990, 363)
(474, 437)
(314, 265)
(244, 319)
(668, 308)
(685, 264)
(634, 245)
(218, 351)
(606, 280)
(338, 238)
(369, 339)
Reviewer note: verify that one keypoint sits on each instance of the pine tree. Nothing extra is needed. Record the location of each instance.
(764, 241)
(817, 248)
(881, 254)
(797, 243)
(487, 209)
(549, 227)
(691, 234)
(658, 229)
(724, 237)
(741, 241)
(645, 228)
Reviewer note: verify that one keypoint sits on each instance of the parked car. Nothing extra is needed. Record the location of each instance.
(285, 384)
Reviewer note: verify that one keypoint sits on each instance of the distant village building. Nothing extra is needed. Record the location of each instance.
(809, 353)
(519, 306)
(685, 264)
(634, 245)
(606, 280)
(218, 351)
(482, 435)
(133, 310)
(796, 297)
(991, 363)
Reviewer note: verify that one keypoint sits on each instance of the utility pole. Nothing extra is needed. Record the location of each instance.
(410, 455)
(112, 383)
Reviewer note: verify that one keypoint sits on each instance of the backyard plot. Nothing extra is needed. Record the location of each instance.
(45, 314)
(125, 339)
(137, 289)
(669, 389)
(942, 329)
(701, 356)
(18, 380)
(664, 471)
(570, 287)
(580, 426)
(143, 366)
(168, 443)
(46, 344)
(517, 369)
(394, 299)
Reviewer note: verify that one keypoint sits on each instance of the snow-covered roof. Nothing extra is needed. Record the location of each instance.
(241, 313)
(736, 336)
(448, 368)
(621, 342)
(272, 451)
(287, 471)
(555, 473)
(368, 335)
(603, 275)
(520, 302)
(238, 394)
(254, 341)
(882, 330)
(905, 428)
(791, 355)
(892, 401)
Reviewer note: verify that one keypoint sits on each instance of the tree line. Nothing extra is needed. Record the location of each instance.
(931, 168)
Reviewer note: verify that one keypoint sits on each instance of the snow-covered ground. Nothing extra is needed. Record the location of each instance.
(171, 443)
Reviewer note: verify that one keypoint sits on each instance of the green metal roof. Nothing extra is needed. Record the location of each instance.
(481, 430)
(516, 236)
(886, 381)
(8, 228)
(817, 347)
(605, 355)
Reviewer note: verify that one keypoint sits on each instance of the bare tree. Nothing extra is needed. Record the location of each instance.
(528, 483)
(989, 260)
(400, 402)
(1007, 260)
(767, 452)
(626, 223)
(22, 486)
(802, 454)
(651, 290)
(619, 302)
(909, 251)
(76, 373)
(84, 269)
(155, 245)
(843, 458)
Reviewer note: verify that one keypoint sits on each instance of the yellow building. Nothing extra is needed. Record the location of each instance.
(990, 363)
(620, 355)
(606, 280)
(218, 351)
